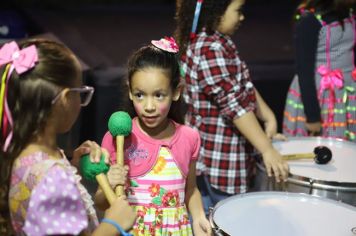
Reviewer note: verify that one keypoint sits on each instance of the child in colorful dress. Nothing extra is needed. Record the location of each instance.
(161, 153)
(322, 98)
(222, 101)
(41, 95)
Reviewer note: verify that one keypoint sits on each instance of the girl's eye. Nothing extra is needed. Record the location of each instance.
(138, 95)
(159, 95)
(240, 10)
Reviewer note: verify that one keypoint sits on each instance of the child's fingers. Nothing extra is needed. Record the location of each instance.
(83, 149)
(277, 173)
(268, 170)
(207, 228)
(95, 152)
(90, 147)
(117, 175)
(106, 155)
(279, 137)
(80, 151)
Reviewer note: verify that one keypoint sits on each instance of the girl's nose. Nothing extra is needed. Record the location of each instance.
(149, 105)
(242, 17)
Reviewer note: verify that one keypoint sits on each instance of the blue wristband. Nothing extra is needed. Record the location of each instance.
(117, 226)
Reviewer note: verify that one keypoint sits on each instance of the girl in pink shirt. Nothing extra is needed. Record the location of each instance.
(161, 153)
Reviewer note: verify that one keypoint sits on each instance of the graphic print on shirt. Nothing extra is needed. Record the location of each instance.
(137, 154)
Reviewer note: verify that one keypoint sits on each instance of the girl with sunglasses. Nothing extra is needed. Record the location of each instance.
(41, 95)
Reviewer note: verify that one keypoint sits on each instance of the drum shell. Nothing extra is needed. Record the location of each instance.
(335, 191)
(340, 191)
(282, 213)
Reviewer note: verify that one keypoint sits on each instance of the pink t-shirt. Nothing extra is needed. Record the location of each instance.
(141, 150)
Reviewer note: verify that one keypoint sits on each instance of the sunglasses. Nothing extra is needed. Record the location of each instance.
(85, 92)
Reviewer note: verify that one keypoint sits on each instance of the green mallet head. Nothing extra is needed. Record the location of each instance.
(120, 123)
(89, 169)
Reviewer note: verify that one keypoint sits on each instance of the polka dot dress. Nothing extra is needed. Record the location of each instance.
(45, 198)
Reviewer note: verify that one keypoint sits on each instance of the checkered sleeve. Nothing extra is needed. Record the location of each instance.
(224, 78)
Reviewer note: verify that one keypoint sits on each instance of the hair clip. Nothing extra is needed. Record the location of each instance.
(167, 44)
(193, 33)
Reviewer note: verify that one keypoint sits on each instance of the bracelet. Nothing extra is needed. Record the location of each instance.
(117, 226)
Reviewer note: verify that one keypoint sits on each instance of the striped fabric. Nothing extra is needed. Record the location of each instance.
(158, 199)
(337, 44)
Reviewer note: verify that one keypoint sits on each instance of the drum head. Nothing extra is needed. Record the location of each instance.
(282, 214)
(340, 169)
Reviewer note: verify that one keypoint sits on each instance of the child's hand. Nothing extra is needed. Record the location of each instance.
(117, 175)
(314, 128)
(279, 137)
(201, 227)
(275, 164)
(122, 213)
(94, 150)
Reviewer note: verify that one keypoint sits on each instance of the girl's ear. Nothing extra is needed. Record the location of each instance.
(64, 97)
(177, 92)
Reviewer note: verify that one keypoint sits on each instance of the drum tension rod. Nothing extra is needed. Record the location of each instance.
(311, 182)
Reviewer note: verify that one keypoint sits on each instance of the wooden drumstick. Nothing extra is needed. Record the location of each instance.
(120, 125)
(321, 155)
(298, 156)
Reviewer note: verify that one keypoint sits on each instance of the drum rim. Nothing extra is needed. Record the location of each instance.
(285, 194)
(318, 183)
(322, 184)
(317, 138)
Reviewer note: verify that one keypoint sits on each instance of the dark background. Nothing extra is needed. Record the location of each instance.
(103, 33)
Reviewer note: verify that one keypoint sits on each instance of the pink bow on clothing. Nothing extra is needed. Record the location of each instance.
(22, 60)
(330, 79)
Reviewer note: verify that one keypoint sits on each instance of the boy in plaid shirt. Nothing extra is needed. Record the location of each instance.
(222, 101)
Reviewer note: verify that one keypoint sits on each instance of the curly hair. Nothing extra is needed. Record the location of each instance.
(210, 16)
(30, 102)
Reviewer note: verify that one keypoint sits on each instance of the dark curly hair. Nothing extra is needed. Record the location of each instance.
(30, 102)
(210, 16)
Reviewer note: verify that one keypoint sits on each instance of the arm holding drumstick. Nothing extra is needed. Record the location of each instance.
(120, 125)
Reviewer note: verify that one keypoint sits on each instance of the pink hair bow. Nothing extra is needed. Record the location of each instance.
(330, 79)
(167, 44)
(22, 60)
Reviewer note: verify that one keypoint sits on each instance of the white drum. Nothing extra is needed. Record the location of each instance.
(282, 214)
(335, 180)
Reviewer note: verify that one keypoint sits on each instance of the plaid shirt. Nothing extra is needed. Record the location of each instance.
(219, 90)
